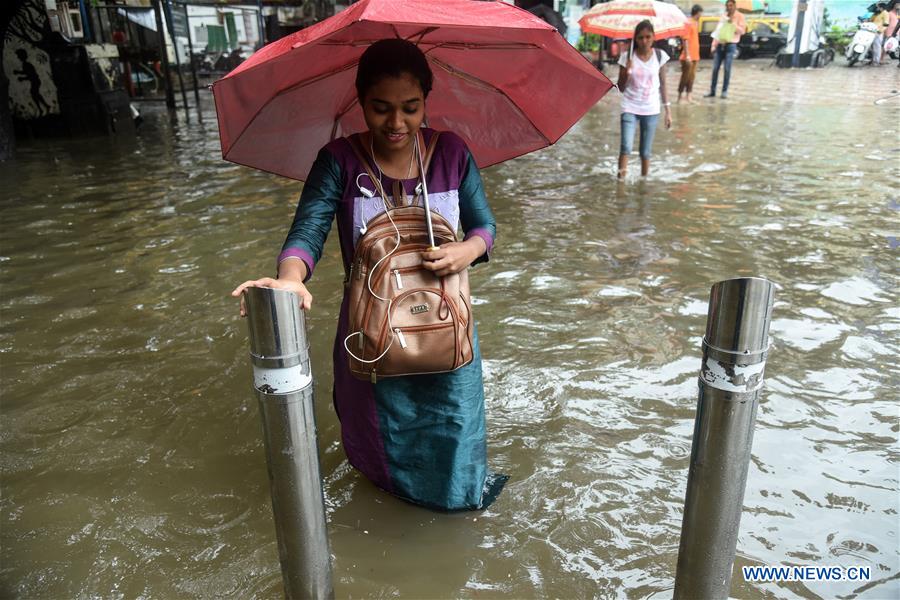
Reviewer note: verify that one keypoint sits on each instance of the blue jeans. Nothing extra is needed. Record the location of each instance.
(629, 122)
(724, 52)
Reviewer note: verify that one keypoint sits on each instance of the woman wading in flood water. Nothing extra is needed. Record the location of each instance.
(419, 437)
(642, 81)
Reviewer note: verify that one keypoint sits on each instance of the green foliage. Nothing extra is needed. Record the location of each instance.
(838, 38)
(588, 42)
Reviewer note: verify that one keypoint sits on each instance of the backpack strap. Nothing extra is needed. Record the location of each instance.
(362, 156)
(655, 49)
(356, 145)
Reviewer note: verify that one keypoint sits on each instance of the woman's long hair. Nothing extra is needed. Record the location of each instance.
(645, 24)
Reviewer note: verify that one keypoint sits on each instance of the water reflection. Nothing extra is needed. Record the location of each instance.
(132, 458)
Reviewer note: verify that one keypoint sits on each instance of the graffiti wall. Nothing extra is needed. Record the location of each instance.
(32, 92)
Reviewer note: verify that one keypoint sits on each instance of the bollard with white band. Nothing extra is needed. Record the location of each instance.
(282, 378)
(735, 349)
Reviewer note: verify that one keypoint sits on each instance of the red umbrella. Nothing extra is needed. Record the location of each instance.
(504, 80)
(617, 19)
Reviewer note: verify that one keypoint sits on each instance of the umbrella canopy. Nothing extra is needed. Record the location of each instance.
(617, 19)
(504, 80)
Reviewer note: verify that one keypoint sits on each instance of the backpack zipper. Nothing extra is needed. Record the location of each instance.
(400, 337)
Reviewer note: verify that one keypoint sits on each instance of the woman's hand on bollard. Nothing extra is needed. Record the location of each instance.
(289, 285)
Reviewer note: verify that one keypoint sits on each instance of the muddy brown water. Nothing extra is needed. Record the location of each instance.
(132, 458)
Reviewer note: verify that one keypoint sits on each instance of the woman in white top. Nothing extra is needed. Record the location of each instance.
(642, 81)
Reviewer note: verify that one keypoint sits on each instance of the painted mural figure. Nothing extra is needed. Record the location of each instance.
(30, 74)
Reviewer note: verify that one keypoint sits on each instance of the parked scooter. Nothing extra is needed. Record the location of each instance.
(892, 43)
(860, 47)
(892, 47)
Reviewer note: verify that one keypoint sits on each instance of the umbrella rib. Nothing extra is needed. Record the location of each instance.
(421, 34)
(340, 114)
(300, 84)
(488, 87)
(453, 45)
(489, 46)
(317, 78)
(478, 82)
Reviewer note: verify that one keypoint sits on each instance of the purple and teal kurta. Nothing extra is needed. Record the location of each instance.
(419, 437)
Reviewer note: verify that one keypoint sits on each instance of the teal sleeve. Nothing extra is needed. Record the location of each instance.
(475, 215)
(315, 212)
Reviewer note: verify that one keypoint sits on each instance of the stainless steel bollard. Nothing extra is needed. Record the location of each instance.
(731, 378)
(279, 351)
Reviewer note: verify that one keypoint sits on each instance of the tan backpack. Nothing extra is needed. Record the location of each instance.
(404, 319)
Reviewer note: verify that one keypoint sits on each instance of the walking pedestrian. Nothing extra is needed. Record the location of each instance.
(419, 437)
(882, 19)
(690, 54)
(642, 81)
(725, 39)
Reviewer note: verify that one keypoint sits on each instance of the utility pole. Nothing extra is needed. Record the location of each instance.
(798, 33)
(261, 24)
(187, 19)
(163, 55)
(171, 21)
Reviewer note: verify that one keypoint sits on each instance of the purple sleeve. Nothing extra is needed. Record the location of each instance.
(484, 234)
(303, 255)
(315, 212)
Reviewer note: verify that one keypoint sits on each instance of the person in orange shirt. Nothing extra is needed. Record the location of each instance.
(690, 54)
(725, 39)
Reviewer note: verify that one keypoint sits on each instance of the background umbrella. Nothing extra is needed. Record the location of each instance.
(506, 81)
(617, 19)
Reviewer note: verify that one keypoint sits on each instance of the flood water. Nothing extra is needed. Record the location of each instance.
(132, 458)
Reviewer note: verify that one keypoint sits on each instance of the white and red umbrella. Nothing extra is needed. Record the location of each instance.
(504, 80)
(617, 19)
